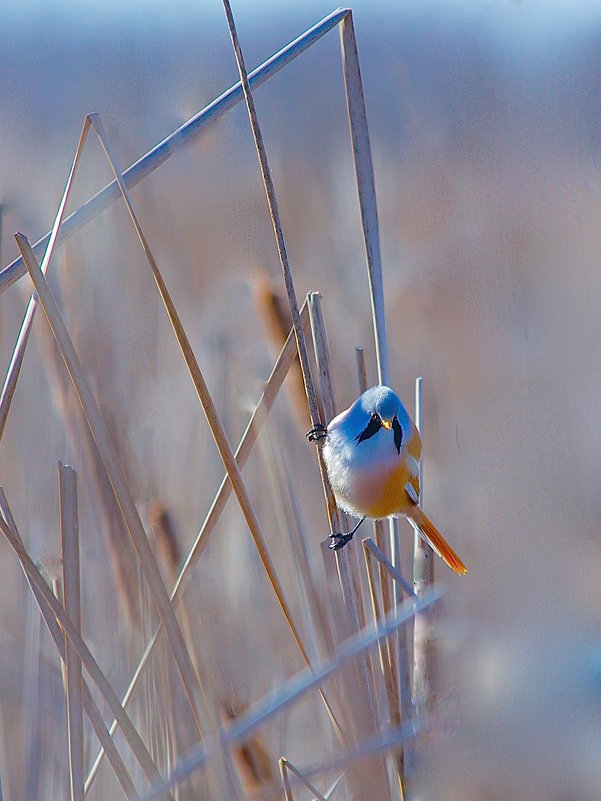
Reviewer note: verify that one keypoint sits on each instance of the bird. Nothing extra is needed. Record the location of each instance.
(371, 452)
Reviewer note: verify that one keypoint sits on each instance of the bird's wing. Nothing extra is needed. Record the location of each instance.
(412, 487)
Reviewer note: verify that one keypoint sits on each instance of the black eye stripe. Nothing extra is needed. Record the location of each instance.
(398, 433)
(372, 428)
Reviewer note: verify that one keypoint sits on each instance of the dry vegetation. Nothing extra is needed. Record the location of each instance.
(489, 203)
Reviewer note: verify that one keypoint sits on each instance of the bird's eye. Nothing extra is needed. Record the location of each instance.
(375, 416)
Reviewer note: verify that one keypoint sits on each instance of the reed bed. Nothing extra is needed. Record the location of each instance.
(331, 712)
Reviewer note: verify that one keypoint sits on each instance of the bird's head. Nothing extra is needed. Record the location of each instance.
(380, 408)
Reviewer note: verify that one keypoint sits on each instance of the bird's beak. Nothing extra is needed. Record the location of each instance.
(387, 424)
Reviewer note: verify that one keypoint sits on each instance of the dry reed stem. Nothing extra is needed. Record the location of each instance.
(388, 656)
(366, 187)
(52, 611)
(294, 689)
(423, 576)
(14, 367)
(361, 369)
(69, 525)
(4, 787)
(371, 548)
(106, 450)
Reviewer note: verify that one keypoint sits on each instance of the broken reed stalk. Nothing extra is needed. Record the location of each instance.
(209, 409)
(296, 688)
(107, 453)
(69, 525)
(371, 547)
(54, 614)
(285, 265)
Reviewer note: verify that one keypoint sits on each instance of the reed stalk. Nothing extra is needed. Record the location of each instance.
(69, 525)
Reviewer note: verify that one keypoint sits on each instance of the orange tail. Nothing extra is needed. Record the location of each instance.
(437, 542)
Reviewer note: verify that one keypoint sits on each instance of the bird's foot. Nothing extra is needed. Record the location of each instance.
(316, 433)
(340, 540)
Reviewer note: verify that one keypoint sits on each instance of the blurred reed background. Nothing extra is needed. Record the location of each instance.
(486, 135)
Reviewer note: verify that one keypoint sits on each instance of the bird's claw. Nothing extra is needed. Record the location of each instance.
(340, 540)
(316, 433)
